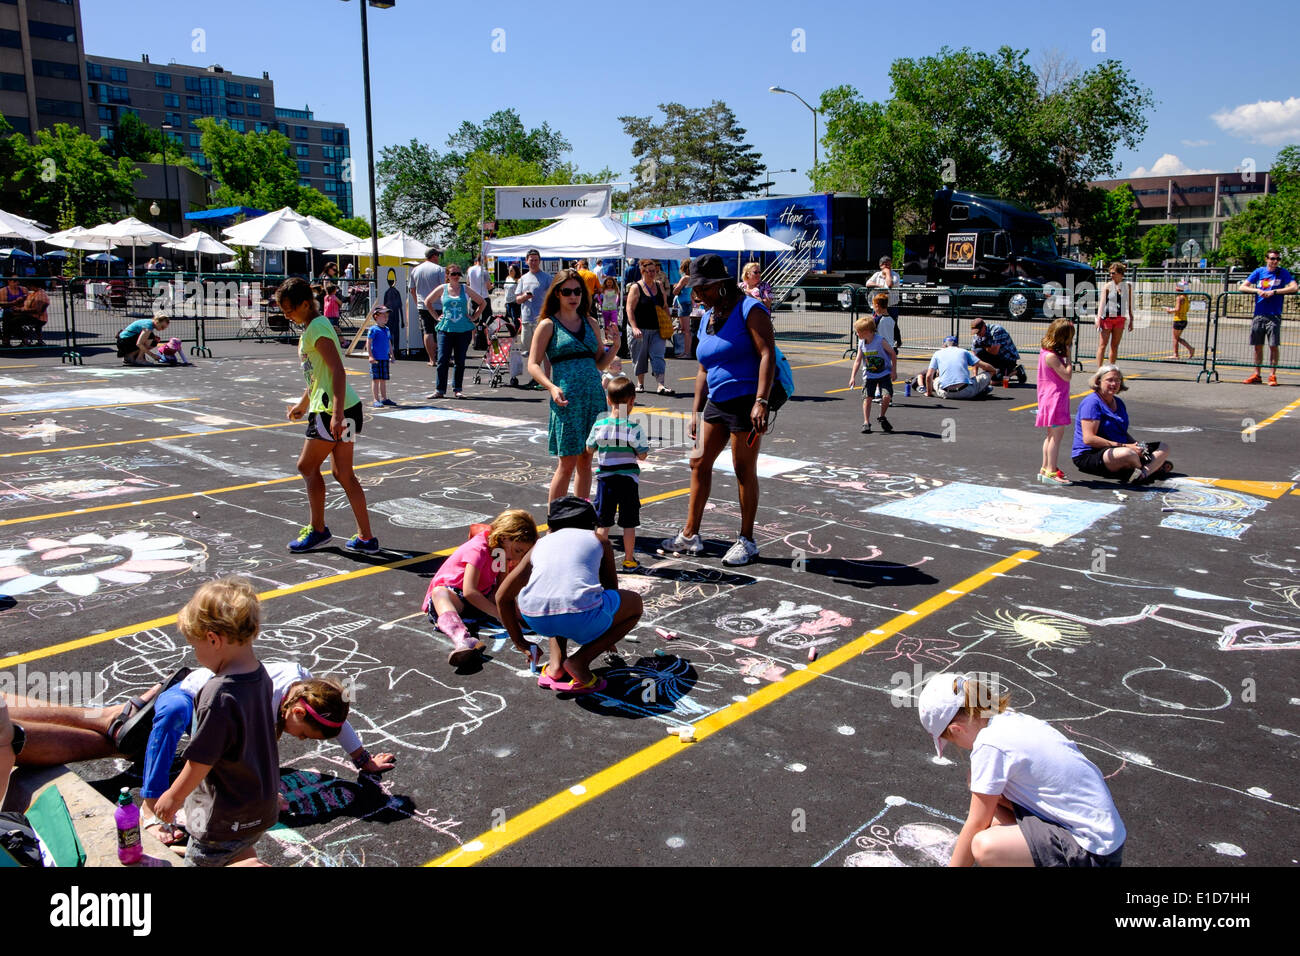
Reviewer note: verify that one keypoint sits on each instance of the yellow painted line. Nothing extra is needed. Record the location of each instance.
(170, 619)
(86, 408)
(136, 441)
(550, 810)
(1276, 416)
(1021, 408)
(858, 388)
(217, 491)
(821, 364)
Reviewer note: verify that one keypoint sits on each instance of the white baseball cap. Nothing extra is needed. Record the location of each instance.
(939, 703)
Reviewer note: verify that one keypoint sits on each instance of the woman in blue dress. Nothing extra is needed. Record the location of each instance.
(569, 336)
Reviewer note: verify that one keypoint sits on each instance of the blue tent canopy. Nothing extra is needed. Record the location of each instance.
(688, 235)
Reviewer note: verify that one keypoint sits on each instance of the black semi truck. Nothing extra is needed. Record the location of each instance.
(976, 242)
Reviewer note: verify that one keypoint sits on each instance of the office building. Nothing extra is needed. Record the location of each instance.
(41, 57)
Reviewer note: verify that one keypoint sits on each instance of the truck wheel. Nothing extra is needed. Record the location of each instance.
(1016, 305)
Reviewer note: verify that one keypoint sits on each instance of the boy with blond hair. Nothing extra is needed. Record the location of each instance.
(619, 444)
(877, 359)
(230, 783)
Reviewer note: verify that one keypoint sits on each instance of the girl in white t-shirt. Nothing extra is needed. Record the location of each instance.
(1035, 799)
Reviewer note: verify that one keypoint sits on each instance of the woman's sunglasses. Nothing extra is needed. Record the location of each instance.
(577, 291)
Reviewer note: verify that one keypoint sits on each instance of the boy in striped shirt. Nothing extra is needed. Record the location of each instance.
(619, 444)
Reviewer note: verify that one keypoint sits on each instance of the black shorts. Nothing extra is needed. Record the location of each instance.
(379, 370)
(429, 321)
(733, 413)
(621, 493)
(881, 385)
(1091, 463)
(1051, 844)
(318, 424)
(1266, 329)
(126, 344)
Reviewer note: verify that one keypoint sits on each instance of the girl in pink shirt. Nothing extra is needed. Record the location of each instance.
(332, 304)
(1054, 370)
(470, 575)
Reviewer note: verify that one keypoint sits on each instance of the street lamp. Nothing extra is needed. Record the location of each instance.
(777, 89)
(767, 184)
(166, 188)
(370, 139)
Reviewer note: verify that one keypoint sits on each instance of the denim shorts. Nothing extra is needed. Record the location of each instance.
(581, 627)
(218, 852)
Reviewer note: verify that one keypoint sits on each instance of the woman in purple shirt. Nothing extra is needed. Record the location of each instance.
(1102, 444)
(737, 355)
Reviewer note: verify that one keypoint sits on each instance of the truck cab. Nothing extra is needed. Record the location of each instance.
(980, 241)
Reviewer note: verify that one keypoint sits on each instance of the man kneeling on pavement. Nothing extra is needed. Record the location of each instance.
(992, 344)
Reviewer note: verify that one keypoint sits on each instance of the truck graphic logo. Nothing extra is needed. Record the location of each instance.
(961, 251)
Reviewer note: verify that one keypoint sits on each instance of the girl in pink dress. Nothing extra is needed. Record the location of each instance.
(1054, 369)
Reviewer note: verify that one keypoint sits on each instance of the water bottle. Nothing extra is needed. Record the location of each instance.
(127, 818)
(907, 388)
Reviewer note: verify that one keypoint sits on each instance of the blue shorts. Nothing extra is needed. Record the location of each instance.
(379, 370)
(621, 494)
(581, 627)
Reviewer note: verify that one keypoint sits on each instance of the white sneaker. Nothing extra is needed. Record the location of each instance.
(742, 552)
(682, 545)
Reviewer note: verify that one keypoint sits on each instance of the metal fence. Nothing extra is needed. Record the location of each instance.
(822, 313)
(1230, 342)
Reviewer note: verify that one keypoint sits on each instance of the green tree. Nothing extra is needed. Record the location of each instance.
(694, 155)
(1110, 230)
(418, 184)
(65, 166)
(252, 169)
(1270, 222)
(980, 122)
(1155, 245)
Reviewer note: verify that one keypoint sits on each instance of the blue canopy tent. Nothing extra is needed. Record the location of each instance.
(696, 230)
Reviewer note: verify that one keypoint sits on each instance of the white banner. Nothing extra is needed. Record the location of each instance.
(552, 202)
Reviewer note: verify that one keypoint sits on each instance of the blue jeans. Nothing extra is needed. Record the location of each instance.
(173, 713)
(651, 354)
(447, 342)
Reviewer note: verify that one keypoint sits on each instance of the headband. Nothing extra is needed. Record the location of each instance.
(317, 717)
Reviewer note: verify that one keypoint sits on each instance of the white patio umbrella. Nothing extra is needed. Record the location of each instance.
(739, 237)
(399, 244)
(77, 238)
(285, 229)
(17, 227)
(201, 244)
(130, 232)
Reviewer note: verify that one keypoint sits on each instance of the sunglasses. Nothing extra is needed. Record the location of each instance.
(457, 274)
(576, 291)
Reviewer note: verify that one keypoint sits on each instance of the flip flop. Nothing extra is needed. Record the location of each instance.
(171, 835)
(666, 391)
(131, 728)
(547, 682)
(573, 687)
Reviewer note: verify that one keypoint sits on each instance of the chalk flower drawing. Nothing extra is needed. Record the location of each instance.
(84, 564)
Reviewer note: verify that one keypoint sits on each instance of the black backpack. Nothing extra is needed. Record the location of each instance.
(18, 839)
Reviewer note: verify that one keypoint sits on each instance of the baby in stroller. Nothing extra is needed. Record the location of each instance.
(500, 332)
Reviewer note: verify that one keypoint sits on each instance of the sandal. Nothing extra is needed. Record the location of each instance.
(573, 687)
(663, 390)
(130, 729)
(547, 682)
(169, 834)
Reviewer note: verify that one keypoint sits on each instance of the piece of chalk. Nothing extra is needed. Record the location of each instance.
(667, 635)
(633, 638)
(675, 730)
(659, 652)
(812, 653)
(686, 735)
(194, 513)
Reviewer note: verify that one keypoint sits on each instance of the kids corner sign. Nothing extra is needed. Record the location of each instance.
(552, 202)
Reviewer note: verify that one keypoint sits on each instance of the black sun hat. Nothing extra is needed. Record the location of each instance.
(708, 268)
(571, 512)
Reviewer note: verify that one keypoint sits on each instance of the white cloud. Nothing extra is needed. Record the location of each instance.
(1169, 165)
(1267, 121)
(1196, 142)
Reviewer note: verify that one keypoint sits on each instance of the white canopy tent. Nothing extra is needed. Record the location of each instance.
(201, 244)
(398, 244)
(285, 229)
(585, 237)
(130, 232)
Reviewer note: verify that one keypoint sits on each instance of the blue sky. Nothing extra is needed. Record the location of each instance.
(1227, 88)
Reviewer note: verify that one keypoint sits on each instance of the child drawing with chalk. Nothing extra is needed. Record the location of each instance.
(1054, 371)
(566, 589)
(333, 413)
(469, 576)
(1035, 799)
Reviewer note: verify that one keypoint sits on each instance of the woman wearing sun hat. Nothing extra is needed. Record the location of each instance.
(1035, 799)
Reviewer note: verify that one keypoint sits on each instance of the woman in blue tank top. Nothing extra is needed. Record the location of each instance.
(455, 328)
(737, 355)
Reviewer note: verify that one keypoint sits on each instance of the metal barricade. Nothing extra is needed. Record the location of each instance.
(1230, 346)
(815, 313)
(925, 314)
(1152, 336)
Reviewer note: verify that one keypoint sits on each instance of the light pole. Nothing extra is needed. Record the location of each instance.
(370, 139)
(767, 182)
(167, 195)
(777, 89)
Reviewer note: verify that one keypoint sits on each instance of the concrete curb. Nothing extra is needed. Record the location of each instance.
(92, 815)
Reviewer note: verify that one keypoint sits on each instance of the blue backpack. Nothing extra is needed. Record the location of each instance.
(783, 387)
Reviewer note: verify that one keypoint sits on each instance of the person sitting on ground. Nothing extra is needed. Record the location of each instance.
(469, 577)
(1102, 443)
(566, 589)
(993, 344)
(137, 342)
(172, 352)
(949, 373)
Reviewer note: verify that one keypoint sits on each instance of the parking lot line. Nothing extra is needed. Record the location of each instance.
(86, 408)
(548, 811)
(1281, 413)
(218, 491)
(136, 441)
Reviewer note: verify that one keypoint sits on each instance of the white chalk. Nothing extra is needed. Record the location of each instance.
(633, 638)
(194, 513)
(686, 734)
(812, 653)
